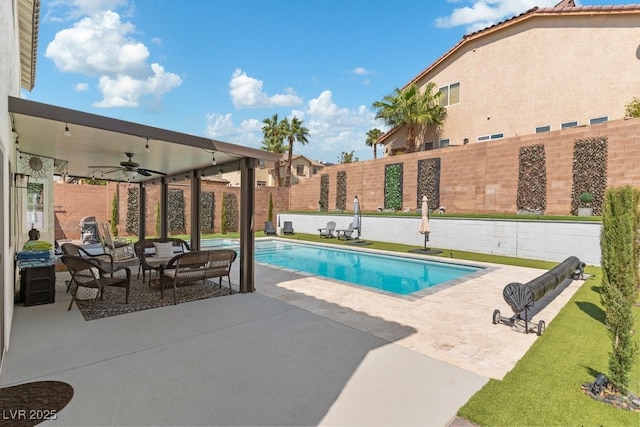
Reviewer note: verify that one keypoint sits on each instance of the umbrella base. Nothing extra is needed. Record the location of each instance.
(358, 243)
(426, 251)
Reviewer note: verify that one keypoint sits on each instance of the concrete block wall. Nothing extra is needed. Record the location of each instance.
(541, 240)
(483, 177)
(72, 202)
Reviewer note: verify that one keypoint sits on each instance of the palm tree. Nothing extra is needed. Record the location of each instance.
(414, 109)
(372, 140)
(274, 141)
(293, 131)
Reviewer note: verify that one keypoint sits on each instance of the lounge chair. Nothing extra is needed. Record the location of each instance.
(346, 233)
(328, 230)
(287, 228)
(268, 228)
(118, 248)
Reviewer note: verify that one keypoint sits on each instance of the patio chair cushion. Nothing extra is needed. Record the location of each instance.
(163, 250)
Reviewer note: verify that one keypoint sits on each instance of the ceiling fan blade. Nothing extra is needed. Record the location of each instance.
(143, 172)
(103, 167)
(150, 171)
(112, 171)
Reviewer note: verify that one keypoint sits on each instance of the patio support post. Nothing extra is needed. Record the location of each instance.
(247, 208)
(195, 210)
(142, 205)
(164, 197)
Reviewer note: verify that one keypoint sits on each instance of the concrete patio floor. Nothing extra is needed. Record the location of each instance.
(301, 350)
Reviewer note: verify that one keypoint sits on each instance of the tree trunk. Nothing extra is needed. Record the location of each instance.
(411, 140)
(287, 181)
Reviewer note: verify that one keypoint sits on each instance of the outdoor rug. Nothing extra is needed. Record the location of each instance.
(29, 404)
(143, 297)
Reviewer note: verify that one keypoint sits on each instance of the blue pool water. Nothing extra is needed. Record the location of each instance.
(393, 274)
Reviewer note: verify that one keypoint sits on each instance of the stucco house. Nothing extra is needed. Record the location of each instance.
(302, 168)
(546, 69)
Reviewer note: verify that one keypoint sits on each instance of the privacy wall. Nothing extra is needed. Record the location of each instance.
(546, 172)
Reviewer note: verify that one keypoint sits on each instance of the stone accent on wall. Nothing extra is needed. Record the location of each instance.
(532, 180)
(207, 212)
(341, 191)
(133, 210)
(428, 182)
(589, 172)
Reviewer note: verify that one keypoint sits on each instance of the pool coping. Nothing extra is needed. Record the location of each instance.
(453, 325)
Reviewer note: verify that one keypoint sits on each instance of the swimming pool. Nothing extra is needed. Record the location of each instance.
(395, 274)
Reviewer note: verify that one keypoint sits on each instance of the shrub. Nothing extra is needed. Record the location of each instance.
(114, 214)
(619, 245)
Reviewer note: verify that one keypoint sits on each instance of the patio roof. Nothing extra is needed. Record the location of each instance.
(102, 141)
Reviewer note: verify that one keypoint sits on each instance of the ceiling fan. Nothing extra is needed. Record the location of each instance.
(129, 168)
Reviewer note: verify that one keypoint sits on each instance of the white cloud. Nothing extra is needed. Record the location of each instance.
(332, 129)
(100, 46)
(125, 91)
(157, 41)
(482, 14)
(81, 87)
(248, 133)
(247, 92)
(361, 71)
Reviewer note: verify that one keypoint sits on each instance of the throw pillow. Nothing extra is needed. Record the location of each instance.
(163, 250)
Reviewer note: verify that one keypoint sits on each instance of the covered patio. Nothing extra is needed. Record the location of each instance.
(82, 145)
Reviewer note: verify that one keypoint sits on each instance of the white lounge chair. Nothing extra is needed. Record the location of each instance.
(328, 230)
(345, 234)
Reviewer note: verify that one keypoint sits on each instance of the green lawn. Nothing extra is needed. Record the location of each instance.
(543, 389)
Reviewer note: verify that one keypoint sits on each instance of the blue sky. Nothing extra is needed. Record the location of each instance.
(217, 68)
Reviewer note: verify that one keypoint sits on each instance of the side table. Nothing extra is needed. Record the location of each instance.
(37, 282)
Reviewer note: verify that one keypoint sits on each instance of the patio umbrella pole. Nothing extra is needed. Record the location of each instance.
(357, 222)
(425, 229)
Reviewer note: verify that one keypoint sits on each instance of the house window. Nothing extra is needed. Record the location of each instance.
(450, 94)
(444, 143)
(300, 170)
(493, 136)
(261, 183)
(427, 146)
(315, 171)
(541, 129)
(598, 120)
(568, 125)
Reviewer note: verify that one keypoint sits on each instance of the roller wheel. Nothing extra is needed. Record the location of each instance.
(541, 327)
(496, 317)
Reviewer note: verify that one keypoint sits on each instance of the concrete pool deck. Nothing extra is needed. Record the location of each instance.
(302, 350)
(452, 325)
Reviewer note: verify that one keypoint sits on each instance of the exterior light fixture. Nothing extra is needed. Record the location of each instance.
(130, 174)
(146, 147)
(213, 158)
(67, 133)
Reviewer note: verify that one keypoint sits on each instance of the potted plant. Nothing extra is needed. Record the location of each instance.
(585, 208)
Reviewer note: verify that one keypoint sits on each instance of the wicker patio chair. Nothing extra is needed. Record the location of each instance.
(105, 259)
(90, 279)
